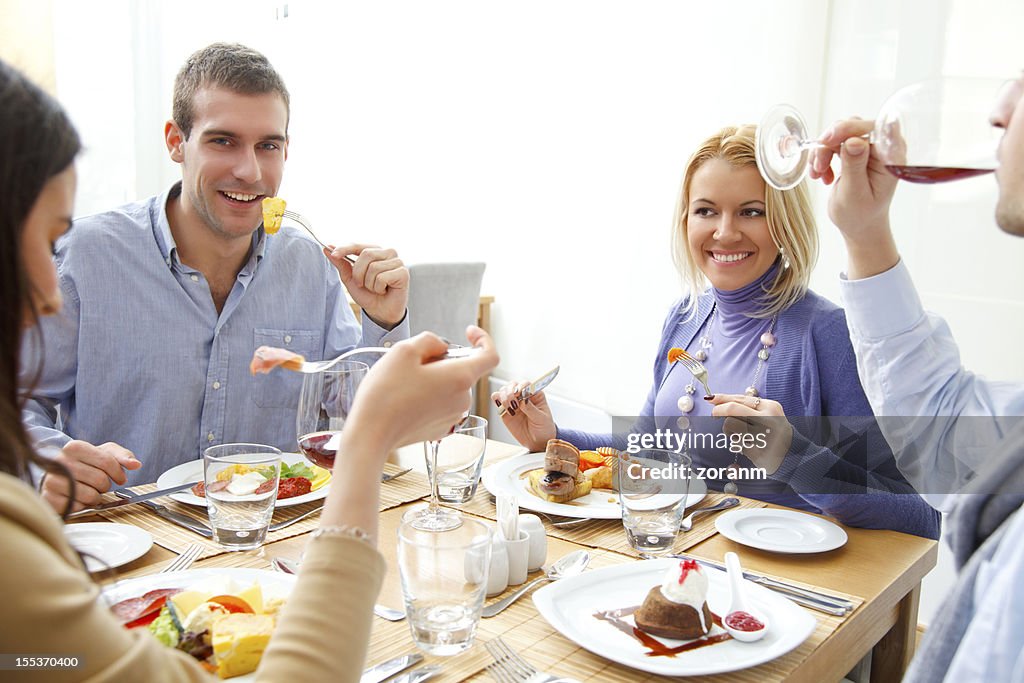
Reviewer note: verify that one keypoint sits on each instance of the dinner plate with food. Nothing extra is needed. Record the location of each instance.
(301, 482)
(665, 617)
(566, 481)
(222, 617)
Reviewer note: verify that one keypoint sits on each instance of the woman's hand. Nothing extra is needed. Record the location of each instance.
(758, 425)
(530, 420)
(409, 395)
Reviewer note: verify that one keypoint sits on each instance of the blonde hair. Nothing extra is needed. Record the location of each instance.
(790, 224)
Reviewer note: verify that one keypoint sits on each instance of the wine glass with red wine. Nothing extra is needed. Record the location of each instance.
(929, 132)
(324, 404)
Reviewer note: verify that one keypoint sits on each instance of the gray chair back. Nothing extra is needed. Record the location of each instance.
(444, 298)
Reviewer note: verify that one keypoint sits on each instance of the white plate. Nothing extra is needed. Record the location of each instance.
(780, 531)
(272, 584)
(503, 479)
(193, 472)
(569, 606)
(109, 544)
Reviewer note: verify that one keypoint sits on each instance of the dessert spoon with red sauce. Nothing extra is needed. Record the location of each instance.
(739, 621)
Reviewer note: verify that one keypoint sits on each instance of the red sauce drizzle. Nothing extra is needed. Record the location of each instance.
(656, 647)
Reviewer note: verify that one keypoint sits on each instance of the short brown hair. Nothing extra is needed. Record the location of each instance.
(227, 65)
(790, 223)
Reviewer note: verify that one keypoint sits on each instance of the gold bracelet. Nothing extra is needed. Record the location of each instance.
(346, 530)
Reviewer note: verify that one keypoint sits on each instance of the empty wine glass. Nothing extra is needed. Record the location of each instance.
(465, 445)
(928, 132)
(324, 404)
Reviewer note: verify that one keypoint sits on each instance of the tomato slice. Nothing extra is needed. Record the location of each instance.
(232, 603)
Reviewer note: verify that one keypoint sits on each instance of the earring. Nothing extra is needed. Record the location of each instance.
(785, 260)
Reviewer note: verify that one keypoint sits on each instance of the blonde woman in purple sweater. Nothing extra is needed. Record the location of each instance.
(777, 354)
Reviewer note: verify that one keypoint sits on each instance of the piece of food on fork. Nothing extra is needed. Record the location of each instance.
(266, 358)
(273, 214)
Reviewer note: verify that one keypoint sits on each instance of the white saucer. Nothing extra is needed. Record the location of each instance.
(106, 545)
(780, 531)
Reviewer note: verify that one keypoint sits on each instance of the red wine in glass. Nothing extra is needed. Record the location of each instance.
(935, 174)
(314, 447)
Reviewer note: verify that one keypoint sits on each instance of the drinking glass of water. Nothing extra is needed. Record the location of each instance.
(444, 578)
(241, 489)
(653, 485)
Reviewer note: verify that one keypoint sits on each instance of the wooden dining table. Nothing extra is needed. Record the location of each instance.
(880, 571)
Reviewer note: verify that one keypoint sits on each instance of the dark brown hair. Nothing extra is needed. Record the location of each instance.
(37, 142)
(225, 65)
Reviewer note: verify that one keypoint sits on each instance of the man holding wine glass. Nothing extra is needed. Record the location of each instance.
(952, 432)
(167, 298)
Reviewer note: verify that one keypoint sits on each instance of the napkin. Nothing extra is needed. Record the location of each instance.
(508, 517)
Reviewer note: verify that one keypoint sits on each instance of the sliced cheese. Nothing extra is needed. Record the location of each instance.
(186, 601)
(238, 642)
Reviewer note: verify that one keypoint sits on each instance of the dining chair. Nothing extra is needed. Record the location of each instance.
(444, 298)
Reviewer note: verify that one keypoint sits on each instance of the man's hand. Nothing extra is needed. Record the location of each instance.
(378, 281)
(93, 468)
(859, 203)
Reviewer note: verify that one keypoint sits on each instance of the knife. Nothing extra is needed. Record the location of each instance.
(536, 386)
(135, 498)
(417, 675)
(172, 516)
(379, 672)
(809, 598)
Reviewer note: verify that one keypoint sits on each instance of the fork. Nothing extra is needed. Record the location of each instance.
(396, 475)
(687, 523)
(700, 373)
(312, 367)
(509, 667)
(184, 560)
(304, 222)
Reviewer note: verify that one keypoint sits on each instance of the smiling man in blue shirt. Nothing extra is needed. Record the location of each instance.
(166, 299)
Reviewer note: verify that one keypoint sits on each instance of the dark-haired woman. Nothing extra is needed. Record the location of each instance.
(50, 604)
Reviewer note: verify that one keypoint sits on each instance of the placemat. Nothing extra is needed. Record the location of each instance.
(409, 487)
(608, 533)
(545, 648)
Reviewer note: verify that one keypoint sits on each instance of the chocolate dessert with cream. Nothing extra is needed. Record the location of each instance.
(677, 608)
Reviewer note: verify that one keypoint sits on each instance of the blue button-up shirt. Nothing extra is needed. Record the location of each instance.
(140, 356)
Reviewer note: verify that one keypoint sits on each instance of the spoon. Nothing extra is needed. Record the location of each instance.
(570, 565)
(287, 566)
(739, 621)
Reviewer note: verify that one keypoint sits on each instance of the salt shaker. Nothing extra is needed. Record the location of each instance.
(534, 529)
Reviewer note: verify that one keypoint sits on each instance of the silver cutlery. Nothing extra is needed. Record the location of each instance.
(384, 670)
(570, 565)
(535, 387)
(287, 566)
(417, 675)
(173, 517)
(184, 560)
(277, 526)
(696, 368)
(396, 475)
(304, 222)
(509, 667)
(815, 599)
(313, 366)
(725, 504)
(129, 500)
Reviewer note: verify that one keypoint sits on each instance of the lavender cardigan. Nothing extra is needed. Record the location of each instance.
(815, 375)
